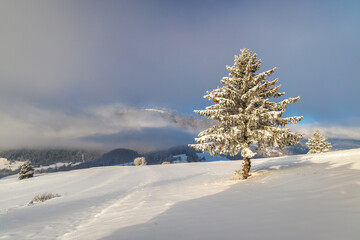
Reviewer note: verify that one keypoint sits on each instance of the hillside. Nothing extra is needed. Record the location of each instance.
(53, 160)
(296, 197)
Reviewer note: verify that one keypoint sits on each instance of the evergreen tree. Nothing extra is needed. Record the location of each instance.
(317, 143)
(26, 171)
(245, 114)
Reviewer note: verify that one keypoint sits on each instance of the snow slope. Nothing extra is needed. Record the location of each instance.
(296, 197)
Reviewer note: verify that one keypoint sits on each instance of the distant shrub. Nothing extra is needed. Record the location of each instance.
(165, 162)
(26, 171)
(43, 197)
(140, 161)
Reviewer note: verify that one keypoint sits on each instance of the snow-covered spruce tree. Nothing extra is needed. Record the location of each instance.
(26, 171)
(245, 113)
(317, 143)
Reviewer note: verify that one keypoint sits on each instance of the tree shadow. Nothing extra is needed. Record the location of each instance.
(285, 162)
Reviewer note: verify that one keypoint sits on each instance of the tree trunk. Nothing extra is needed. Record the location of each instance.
(246, 168)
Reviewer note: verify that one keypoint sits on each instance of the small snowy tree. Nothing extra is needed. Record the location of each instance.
(317, 143)
(26, 171)
(245, 114)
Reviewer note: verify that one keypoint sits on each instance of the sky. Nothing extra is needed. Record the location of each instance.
(83, 73)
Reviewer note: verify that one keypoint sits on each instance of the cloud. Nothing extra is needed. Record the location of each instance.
(112, 126)
(145, 139)
(349, 129)
(60, 60)
(100, 127)
(72, 55)
(117, 116)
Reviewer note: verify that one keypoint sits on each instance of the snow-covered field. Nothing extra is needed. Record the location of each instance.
(297, 197)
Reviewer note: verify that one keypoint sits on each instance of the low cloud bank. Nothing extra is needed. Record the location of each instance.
(145, 139)
(102, 127)
(116, 126)
(349, 129)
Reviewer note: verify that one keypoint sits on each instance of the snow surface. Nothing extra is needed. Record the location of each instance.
(313, 196)
(209, 158)
(181, 158)
(11, 165)
(57, 165)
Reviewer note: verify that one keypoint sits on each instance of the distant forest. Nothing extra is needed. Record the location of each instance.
(80, 159)
(50, 156)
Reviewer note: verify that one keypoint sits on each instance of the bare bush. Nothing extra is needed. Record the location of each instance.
(43, 197)
(140, 161)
